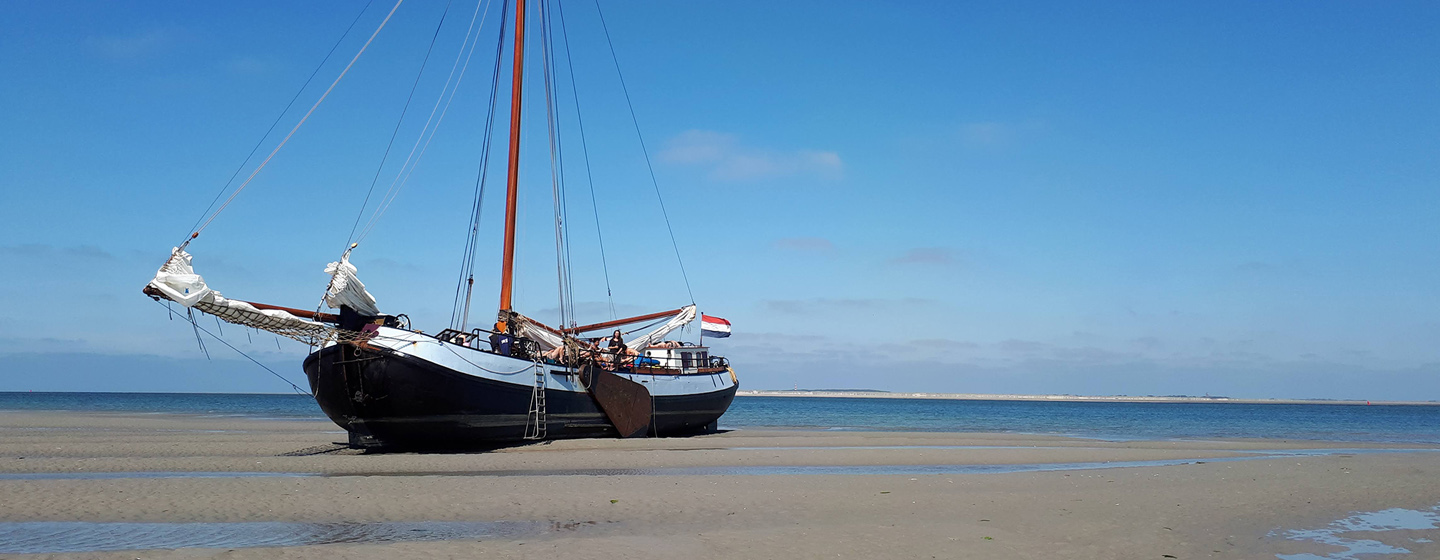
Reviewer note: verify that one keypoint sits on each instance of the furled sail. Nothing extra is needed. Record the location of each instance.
(346, 289)
(178, 282)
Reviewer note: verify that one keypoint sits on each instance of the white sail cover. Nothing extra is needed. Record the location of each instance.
(549, 340)
(178, 282)
(346, 288)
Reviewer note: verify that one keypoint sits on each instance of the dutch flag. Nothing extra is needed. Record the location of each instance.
(714, 327)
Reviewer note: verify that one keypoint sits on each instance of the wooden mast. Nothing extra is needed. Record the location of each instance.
(507, 269)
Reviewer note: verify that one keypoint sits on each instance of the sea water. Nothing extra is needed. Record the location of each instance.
(277, 406)
(1101, 420)
(1097, 419)
(1348, 535)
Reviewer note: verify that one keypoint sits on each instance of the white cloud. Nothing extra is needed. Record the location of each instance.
(52, 253)
(994, 134)
(926, 255)
(729, 160)
(246, 66)
(805, 244)
(133, 46)
(820, 306)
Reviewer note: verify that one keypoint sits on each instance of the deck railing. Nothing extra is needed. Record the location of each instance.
(690, 359)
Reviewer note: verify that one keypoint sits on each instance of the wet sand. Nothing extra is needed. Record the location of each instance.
(742, 494)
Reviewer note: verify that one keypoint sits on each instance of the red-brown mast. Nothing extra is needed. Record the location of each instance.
(507, 268)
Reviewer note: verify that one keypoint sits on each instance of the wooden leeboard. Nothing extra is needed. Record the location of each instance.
(625, 402)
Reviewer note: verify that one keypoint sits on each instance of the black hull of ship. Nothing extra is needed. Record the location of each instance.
(389, 400)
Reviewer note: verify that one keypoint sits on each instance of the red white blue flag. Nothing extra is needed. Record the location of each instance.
(714, 327)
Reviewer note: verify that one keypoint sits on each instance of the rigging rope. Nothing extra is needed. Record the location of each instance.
(299, 124)
(406, 109)
(467, 262)
(585, 150)
(557, 170)
(191, 319)
(644, 151)
(560, 152)
(412, 160)
(281, 116)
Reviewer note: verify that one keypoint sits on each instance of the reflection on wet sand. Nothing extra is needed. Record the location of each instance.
(53, 537)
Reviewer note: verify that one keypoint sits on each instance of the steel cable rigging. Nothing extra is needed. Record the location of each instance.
(401, 120)
(460, 311)
(427, 132)
(585, 152)
(279, 117)
(297, 126)
(645, 151)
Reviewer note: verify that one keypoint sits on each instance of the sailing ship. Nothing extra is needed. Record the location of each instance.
(389, 384)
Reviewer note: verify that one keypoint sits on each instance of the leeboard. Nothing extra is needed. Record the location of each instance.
(625, 402)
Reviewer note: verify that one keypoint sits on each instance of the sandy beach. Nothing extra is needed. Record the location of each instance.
(740, 494)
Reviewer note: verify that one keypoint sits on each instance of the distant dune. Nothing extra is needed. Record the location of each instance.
(877, 394)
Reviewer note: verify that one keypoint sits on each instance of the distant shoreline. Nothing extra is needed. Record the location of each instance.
(873, 394)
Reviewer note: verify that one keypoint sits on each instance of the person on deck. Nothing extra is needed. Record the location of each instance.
(589, 351)
(500, 343)
(572, 353)
(617, 350)
(555, 355)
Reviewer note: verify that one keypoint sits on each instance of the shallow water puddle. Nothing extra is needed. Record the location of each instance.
(145, 474)
(66, 536)
(893, 469)
(1248, 455)
(1394, 519)
(812, 469)
(849, 447)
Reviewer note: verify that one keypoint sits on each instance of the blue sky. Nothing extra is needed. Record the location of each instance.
(1115, 198)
